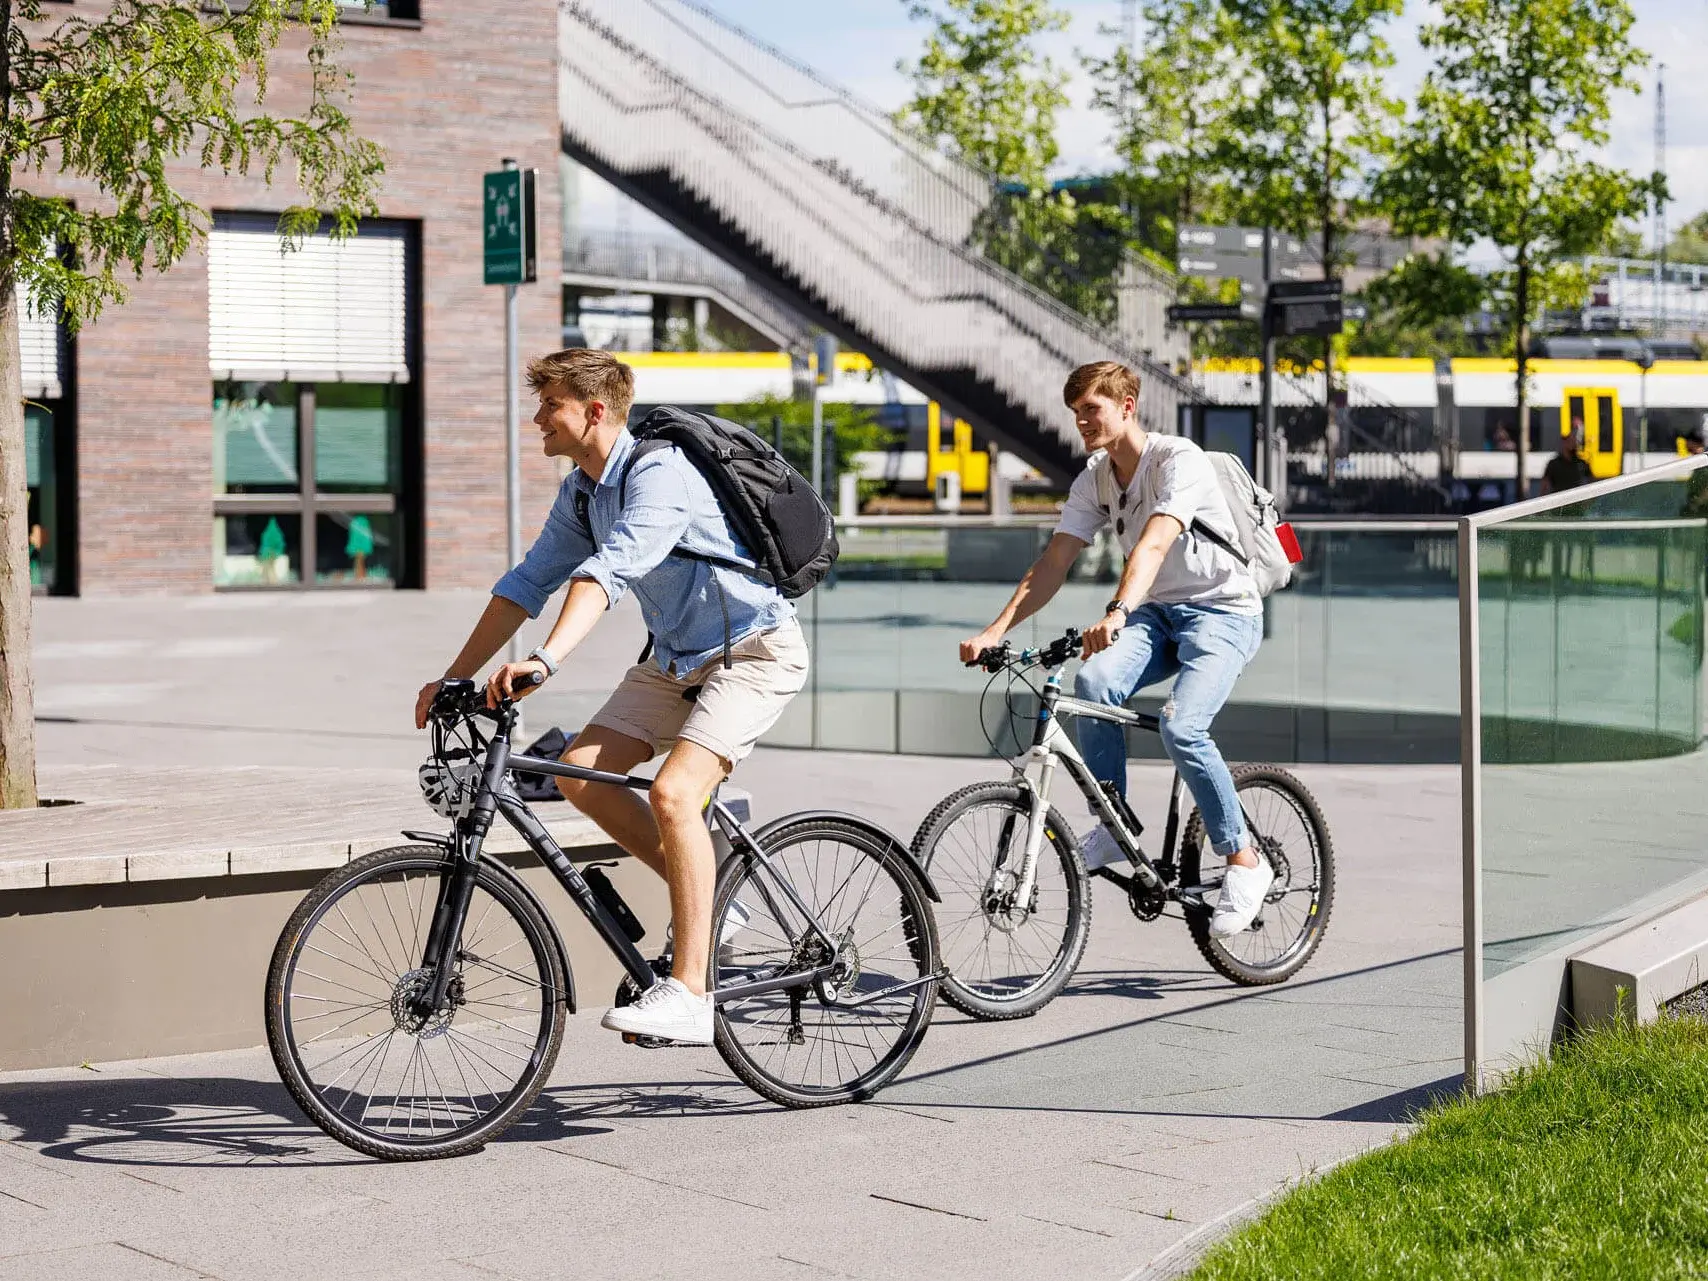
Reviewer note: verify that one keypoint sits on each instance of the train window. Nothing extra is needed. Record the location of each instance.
(1604, 425)
(1574, 414)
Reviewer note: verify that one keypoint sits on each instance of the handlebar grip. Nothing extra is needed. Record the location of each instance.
(527, 681)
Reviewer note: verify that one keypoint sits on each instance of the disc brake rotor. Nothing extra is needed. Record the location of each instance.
(408, 989)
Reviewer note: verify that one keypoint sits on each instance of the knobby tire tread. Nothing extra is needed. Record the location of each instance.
(730, 879)
(1066, 845)
(284, 952)
(1198, 919)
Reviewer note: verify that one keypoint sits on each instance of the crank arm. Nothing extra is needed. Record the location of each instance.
(886, 992)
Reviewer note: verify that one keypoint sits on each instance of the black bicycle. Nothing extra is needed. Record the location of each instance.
(417, 996)
(1016, 908)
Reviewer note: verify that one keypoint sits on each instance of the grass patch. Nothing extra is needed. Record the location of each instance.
(1592, 1165)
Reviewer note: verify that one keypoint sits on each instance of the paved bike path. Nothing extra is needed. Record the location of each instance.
(1150, 1099)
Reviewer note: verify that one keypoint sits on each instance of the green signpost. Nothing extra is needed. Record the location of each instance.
(507, 227)
(508, 250)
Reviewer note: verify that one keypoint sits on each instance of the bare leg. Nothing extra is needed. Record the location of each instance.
(690, 863)
(623, 816)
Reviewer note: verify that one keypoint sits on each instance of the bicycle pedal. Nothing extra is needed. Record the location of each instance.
(652, 1042)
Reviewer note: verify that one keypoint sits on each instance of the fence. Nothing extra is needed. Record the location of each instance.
(1581, 622)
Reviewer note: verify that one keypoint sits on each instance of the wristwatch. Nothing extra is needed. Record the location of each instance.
(1116, 604)
(538, 653)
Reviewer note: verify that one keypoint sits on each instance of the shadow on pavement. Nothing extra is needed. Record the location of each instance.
(1403, 1105)
(232, 1122)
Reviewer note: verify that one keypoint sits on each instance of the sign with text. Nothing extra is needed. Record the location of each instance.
(1183, 313)
(507, 226)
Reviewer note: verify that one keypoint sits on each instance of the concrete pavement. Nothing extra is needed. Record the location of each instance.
(1151, 1098)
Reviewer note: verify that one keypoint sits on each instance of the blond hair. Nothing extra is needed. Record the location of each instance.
(587, 375)
(1101, 378)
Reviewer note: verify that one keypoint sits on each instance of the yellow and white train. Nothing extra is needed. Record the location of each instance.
(1410, 407)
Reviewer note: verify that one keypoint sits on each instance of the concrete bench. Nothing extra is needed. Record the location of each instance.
(141, 920)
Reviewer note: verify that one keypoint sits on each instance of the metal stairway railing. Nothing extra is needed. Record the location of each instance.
(812, 191)
(639, 261)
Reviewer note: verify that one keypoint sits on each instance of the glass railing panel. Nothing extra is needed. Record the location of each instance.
(1358, 661)
(1589, 620)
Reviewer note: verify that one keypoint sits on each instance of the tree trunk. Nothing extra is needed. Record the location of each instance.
(1522, 302)
(17, 695)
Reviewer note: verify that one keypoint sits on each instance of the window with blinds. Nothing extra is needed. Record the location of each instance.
(38, 349)
(329, 311)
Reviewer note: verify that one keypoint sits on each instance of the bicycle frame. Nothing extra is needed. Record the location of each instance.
(497, 797)
(1051, 744)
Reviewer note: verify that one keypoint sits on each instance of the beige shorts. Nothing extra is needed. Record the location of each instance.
(734, 707)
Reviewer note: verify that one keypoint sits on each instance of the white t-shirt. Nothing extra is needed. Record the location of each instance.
(1173, 478)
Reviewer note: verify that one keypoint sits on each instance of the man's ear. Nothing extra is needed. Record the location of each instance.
(1129, 407)
(595, 412)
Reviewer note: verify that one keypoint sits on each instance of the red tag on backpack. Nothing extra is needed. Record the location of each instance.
(1289, 543)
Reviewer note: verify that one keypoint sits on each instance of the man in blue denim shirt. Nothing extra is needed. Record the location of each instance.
(1185, 607)
(728, 654)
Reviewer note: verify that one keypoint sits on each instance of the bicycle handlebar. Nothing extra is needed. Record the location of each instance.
(468, 698)
(1054, 654)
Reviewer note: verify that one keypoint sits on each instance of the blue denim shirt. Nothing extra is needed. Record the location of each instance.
(668, 505)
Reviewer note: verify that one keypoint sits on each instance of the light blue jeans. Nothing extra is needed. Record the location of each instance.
(1205, 649)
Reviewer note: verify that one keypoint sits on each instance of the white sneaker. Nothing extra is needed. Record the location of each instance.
(1099, 849)
(1243, 889)
(666, 1010)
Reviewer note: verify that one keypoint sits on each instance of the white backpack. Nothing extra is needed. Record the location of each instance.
(1265, 543)
(1262, 542)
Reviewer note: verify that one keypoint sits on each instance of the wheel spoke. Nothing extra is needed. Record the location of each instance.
(380, 1068)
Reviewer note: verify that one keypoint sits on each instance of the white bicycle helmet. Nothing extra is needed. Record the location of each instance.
(449, 787)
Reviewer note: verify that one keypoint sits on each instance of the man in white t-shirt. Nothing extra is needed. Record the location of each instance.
(1185, 607)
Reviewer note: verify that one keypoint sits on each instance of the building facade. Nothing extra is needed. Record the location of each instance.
(332, 417)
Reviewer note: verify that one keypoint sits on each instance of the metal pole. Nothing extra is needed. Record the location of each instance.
(824, 357)
(1266, 374)
(512, 459)
(817, 439)
(1642, 421)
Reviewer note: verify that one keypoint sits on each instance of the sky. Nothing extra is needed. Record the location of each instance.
(857, 43)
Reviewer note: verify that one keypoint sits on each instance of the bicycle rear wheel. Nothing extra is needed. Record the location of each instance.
(364, 1066)
(1287, 830)
(1005, 959)
(843, 1037)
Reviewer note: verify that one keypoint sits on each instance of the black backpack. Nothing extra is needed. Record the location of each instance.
(771, 507)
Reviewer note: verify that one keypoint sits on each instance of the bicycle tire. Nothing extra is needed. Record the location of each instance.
(960, 989)
(427, 863)
(740, 1027)
(1314, 921)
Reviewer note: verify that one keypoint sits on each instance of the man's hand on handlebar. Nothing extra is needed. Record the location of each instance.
(515, 681)
(424, 702)
(1101, 636)
(974, 646)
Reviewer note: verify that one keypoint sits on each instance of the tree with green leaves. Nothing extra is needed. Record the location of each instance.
(1499, 144)
(1169, 103)
(118, 104)
(1303, 144)
(983, 90)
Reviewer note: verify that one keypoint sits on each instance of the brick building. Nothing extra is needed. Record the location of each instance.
(329, 418)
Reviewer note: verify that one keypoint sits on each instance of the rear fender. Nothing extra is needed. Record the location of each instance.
(870, 828)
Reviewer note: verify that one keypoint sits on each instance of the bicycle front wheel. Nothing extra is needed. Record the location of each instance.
(1006, 959)
(1287, 829)
(355, 1052)
(845, 1035)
